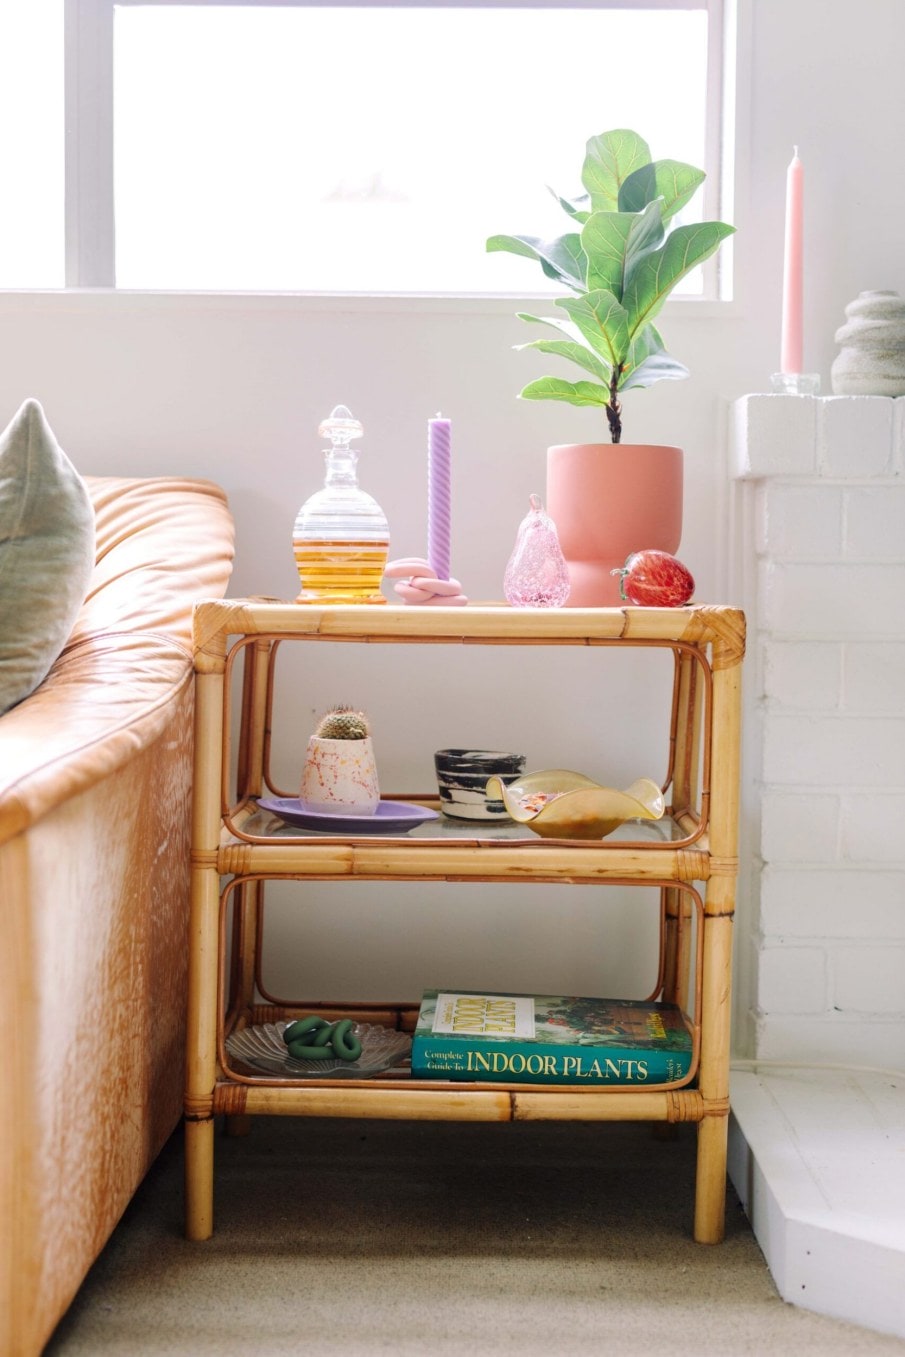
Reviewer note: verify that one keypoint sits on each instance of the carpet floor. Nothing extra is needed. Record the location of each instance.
(442, 1240)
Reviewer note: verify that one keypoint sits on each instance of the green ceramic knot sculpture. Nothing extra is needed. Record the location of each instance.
(314, 1038)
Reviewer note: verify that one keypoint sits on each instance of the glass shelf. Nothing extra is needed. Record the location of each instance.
(264, 824)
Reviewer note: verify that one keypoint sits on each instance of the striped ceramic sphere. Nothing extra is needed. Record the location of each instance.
(462, 779)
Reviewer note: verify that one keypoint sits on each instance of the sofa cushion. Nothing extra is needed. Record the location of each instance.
(46, 551)
(163, 543)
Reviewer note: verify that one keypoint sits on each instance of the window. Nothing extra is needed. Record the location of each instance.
(361, 147)
(31, 144)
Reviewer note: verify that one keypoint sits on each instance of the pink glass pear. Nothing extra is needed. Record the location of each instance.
(537, 575)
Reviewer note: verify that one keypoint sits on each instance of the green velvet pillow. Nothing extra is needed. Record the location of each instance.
(46, 551)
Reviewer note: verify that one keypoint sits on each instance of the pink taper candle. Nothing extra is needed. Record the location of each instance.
(438, 496)
(793, 270)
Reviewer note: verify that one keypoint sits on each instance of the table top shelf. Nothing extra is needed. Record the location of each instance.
(698, 625)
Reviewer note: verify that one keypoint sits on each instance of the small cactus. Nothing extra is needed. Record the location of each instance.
(343, 723)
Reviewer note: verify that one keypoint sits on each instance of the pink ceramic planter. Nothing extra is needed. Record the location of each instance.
(608, 500)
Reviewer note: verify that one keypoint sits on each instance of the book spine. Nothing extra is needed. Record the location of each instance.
(437, 1057)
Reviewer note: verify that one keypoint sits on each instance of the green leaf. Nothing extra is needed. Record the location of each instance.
(648, 361)
(565, 327)
(670, 180)
(603, 239)
(573, 351)
(613, 242)
(555, 389)
(609, 160)
(566, 256)
(646, 235)
(574, 336)
(561, 258)
(580, 209)
(604, 323)
(645, 343)
(657, 273)
(513, 245)
(657, 367)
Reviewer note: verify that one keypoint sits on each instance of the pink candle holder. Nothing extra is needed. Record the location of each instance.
(417, 584)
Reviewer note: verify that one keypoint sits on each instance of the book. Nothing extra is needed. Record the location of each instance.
(543, 1039)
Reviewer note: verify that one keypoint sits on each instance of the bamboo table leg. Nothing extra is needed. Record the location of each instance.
(710, 1183)
(204, 948)
(199, 1179)
(719, 908)
(713, 1081)
(201, 1057)
(253, 733)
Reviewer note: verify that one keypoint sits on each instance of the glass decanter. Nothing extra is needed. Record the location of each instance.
(341, 537)
(537, 575)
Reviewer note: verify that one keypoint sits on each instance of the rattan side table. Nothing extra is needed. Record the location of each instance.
(235, 851)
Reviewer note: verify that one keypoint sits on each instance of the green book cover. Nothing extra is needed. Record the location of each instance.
(543, 1039)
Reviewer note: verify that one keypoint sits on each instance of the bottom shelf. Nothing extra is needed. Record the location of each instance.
(435, 1100)
(258, 1076)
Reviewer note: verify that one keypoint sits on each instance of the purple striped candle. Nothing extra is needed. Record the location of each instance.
(438, 496)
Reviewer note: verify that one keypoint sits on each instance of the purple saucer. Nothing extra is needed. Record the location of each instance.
(390, 817)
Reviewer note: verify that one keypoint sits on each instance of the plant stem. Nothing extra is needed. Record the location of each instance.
(614, 409)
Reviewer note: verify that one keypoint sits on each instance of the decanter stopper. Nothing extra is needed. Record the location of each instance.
(537, 575)
(340, 427)
(341, 537)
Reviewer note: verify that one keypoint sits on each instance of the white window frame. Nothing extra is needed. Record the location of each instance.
(90, 242)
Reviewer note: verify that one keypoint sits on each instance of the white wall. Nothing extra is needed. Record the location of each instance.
(233, 388)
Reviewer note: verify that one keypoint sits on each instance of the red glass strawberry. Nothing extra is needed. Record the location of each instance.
(654, 579)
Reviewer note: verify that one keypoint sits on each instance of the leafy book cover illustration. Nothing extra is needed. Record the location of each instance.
(541, 1038)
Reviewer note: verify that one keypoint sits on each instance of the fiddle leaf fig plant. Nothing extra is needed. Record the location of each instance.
(621, 260)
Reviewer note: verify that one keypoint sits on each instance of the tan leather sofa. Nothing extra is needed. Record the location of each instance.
(95, 798)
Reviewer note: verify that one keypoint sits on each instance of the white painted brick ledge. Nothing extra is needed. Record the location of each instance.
(822, 497)
(825, 437)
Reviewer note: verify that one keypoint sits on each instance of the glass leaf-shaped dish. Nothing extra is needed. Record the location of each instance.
(262, 1048)
(560, 804)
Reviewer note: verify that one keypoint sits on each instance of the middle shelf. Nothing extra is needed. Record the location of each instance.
(255, 842)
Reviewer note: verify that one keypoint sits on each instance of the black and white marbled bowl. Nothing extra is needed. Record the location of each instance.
(462, 779)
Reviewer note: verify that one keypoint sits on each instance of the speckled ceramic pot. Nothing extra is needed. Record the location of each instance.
(340, 776)
(462, 779)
